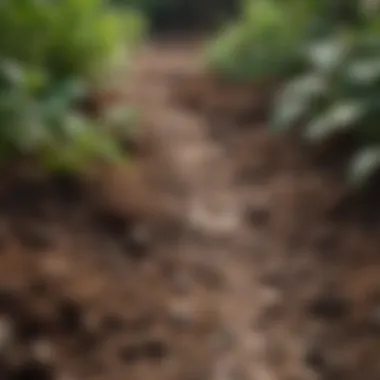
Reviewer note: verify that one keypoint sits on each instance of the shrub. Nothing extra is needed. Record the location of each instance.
(330, 51)
(338, 93)
(263, 43)
(267, 40)
(52, 55)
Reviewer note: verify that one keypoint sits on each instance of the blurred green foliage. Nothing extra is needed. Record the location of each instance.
(338, 92)
(329, 53)
(263, 43)
(52, 53)
(267, 39)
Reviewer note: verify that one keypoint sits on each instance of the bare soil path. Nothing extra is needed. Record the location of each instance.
(212, 227)
(260, 216)
(215, 237)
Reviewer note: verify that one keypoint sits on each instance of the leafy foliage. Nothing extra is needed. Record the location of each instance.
(329, 53)
(268, 39)
(52, 53)
(263, 43)
(338, 93)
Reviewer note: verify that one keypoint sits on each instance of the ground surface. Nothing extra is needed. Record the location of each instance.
(215, 256)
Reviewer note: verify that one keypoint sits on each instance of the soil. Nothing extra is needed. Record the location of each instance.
(221, 252)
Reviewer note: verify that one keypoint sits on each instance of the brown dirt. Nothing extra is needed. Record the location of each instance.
(219, 254)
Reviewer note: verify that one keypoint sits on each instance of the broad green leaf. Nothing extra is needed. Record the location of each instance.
(364, 71)
(364, 165)
(12, 73)
(326, 56)
(287, 113)
(296, 100)
(338, 118)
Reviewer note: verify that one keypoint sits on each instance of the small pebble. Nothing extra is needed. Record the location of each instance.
(43, 351)
(181, 315)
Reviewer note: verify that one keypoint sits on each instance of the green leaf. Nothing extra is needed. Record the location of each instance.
(338, 118)
(364, 71)
(296, 100)
(35, 80)
(12, 73)
(364, 165)
(326, 56)
(57, 106)
(51, 52)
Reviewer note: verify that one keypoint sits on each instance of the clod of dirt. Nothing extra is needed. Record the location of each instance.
(30, 328)
(32, 371)
(112, 224)
(130, 353)
(137, 243)
(33, 236)
(325, 241)
(71, 318)
(258, 217)
(314, 359)
(329, 307)
(154, 350)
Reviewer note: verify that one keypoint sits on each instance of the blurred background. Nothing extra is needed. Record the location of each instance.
(189, 190)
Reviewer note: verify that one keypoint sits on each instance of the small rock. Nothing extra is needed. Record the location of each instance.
(56, 267)
(181, 315)
(43, 351)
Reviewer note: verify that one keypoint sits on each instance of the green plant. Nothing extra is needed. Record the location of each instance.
(338, 93)
(52, 55)
(68, 37)
(331, 51)
(264, 43)
(268, 39)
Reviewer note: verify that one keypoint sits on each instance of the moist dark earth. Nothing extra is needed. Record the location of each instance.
(220, 251)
